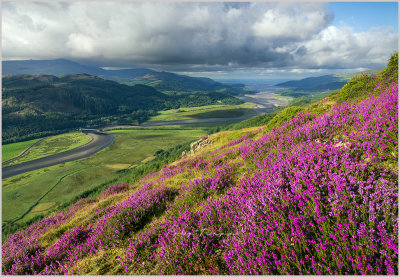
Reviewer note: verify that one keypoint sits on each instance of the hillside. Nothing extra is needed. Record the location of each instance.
(35, 104)
(314, 191)
(162, 81)
(176, 83)
(42, 104)
(76, 94)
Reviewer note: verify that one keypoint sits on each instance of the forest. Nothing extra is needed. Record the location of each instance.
(40, 105)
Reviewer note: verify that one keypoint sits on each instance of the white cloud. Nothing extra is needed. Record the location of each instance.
(293, 22)
(190, 35)
(340, 47)
(80, 44)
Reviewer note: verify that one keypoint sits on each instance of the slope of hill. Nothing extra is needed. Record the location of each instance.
(162, 81)
(76, 93)
(313, 192)
(174, 83)
(33, 105)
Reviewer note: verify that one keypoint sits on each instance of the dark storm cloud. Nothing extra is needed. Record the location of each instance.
(189, 35)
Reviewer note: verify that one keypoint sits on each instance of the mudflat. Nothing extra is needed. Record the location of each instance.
(99, 142)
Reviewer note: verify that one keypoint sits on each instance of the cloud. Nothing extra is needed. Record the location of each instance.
(341, 48)
(196, 36)
(292, 22)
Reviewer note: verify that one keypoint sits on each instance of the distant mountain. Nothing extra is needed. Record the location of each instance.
(323, 83)
(62, 67)
(171, 82)
(162, 81)
(326, 82)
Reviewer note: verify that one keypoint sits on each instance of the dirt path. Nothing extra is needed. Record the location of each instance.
(99, 142)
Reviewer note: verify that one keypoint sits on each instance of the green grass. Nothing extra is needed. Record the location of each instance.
(50, 146)
(228, 113)
(348, 76)
(13, 149)
(210, 111)
(284, 116)
(283, 98)
(61, 183)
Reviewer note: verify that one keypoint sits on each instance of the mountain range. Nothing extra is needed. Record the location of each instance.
(62, 67)
(162, 81)
(323, 83)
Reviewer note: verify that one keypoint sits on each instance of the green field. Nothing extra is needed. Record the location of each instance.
(13, 149)
(283, 98)
(48, 146)
(61, 183)
(211, 111)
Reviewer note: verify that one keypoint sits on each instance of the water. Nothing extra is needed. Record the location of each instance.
(262, 85)
(266, 100)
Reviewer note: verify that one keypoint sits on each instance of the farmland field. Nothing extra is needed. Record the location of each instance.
(49, 146)
(211, 111)
(61, 183)
(13, 149)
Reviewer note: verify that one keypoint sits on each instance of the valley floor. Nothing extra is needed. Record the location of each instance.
(98, 142)
(38, 192)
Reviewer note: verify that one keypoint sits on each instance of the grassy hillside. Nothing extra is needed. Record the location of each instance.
(312, 192)
(131, 149)
(12, 150)
(210, 111)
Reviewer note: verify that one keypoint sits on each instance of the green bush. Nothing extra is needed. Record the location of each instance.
(357, 87)
(284, 116)
(360, 85)
(392, 70)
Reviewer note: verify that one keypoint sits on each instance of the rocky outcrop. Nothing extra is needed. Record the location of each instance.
(197, 146)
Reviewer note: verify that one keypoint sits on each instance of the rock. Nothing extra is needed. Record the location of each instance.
(200, 144)
(345, 144)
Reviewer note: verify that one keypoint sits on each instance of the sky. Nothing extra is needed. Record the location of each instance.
(363, 16)
(213, 39)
